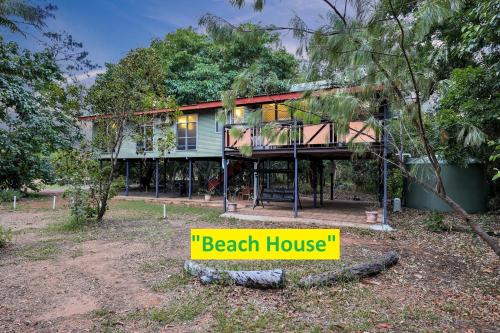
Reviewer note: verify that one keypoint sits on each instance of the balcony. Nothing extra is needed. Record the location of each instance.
(319, 138)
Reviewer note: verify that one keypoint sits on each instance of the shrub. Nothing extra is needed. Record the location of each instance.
(435, 223)
(395, 184)
(5, 236)
(8, 195)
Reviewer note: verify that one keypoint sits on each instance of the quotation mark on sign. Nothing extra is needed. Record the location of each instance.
(331, 238)
(195, 238)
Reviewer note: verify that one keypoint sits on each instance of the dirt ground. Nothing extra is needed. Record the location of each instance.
(125, 275)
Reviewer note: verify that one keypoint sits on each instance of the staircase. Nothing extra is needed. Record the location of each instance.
(232, 169)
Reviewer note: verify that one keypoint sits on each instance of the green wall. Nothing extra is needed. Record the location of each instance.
(209, 143)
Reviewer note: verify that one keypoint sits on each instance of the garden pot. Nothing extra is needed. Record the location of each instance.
(371, 216)
(231, 206)
(208, 197)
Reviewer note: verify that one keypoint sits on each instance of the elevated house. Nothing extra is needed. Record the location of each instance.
(273, 165)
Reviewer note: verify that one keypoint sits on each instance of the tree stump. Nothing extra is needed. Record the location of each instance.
(267, 279)
(351, 273)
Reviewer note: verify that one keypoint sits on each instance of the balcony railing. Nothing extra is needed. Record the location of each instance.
(307, 135)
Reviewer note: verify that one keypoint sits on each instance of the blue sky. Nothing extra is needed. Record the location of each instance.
(110, 28)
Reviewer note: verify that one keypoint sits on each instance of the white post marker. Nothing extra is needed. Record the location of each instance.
(164, 211)
(54, 203)
(15, 199)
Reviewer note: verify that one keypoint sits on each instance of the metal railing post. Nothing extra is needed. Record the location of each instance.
(295, 171)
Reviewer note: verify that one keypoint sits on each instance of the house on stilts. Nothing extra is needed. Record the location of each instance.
(266, 184)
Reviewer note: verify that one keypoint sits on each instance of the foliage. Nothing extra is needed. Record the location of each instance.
(468, 114)
(199, 68)
(132, 85)
(81, 169)
(5, 236)
(395, 183)
(37, 114)
(14, 11)
(494, 157)
(38, 103)
(435, 222)
(7, 195)
(469, 38)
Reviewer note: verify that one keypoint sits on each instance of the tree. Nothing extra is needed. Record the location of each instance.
(37, 115)
(132, 85)
(14, 13)
(38, 105)
(467, 115)
(198, 68)
(378, 46)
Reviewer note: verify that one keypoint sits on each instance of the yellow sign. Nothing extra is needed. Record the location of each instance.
(265, 244)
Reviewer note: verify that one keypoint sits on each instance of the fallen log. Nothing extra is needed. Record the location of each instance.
(351, 273)
(268, 279)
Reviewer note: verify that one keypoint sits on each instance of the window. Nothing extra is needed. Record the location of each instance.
(145, 144)
(187, 128)
(238, 115)
(272, 112)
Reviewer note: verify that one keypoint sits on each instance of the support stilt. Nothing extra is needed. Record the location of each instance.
(295, 172)
(126, 177)
(190, 183)
(224, 166)
(385, 170)
(255, 183)
(157, 178)
(314, 167)
(164, 175)
(321, 180)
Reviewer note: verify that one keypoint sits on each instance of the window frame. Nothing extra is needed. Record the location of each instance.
(186, 137)
(144, 139)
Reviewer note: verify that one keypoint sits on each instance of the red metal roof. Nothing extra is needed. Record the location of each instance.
(239, 102)
(218, 104)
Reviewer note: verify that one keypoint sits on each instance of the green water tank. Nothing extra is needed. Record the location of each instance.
(467, 186)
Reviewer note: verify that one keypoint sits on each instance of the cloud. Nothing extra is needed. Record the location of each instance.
(87, 78)
(89, 75)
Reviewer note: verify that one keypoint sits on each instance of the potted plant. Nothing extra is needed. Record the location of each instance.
(372, 213)
(208, 194)
(231, 203)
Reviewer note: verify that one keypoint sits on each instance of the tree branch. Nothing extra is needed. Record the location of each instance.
(334, 8)
(420, 123)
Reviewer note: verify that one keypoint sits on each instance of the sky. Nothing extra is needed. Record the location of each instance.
(110, 28)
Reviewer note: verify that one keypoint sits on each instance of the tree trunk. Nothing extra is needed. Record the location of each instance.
(268, 279)
(491, 241)
(351, 273)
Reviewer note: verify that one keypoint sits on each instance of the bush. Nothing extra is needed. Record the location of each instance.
(5, 236)
(8, 195)
(435, 223)
(395, 184)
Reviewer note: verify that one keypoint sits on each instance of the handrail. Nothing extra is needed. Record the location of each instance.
(257, 141)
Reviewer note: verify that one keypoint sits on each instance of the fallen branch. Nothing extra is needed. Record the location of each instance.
(267, 279)
(351, 273)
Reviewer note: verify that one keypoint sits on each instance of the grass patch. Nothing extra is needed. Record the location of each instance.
(153, 210)
(67, 224)
(108, 321)
(42, 251)
(248, 319)
(182, 310)
(173, 281)
(158, 265)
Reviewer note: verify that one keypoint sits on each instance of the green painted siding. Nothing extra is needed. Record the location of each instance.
(209, 143)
